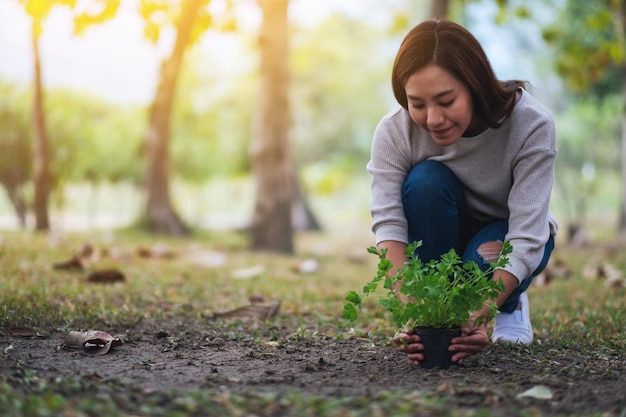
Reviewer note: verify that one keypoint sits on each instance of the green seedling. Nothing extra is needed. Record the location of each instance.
(440, 294)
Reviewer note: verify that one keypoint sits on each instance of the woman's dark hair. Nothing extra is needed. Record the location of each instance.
(453, 48)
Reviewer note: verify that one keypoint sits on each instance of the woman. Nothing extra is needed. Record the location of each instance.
(466, 162)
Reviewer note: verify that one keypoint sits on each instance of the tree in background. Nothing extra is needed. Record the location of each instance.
(588, 132)
(16, 157)
(192, 18)
(160, 214)
(439, 8)
(271, 227)
(96, 144)
(84, 16)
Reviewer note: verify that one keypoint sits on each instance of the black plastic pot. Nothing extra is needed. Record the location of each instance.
(436, 343)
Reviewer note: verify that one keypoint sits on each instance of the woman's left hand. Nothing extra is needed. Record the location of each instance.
(474, 339)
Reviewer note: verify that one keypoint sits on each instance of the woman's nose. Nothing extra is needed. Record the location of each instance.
(434, 117)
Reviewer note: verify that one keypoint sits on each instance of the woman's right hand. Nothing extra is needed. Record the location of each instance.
(410, 344)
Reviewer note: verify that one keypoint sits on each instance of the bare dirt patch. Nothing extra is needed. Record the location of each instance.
(171, 359)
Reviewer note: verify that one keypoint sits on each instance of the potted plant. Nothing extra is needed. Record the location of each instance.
(436, 297)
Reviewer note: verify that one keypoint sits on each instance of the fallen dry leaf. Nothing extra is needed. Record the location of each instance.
(359, 257)
(556, 269)
(22, 332)
(106, 276)
(80, 260)
(598, 269)
(115, 253)
(256, 299)
(615, 281)
(540, 392)
(205, 258)
(249, 273)
(261, 311)
(308, 266)
(94, 342)
(156, 252)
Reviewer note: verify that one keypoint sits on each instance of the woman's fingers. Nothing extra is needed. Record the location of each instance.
(475, 342)
(403, 339)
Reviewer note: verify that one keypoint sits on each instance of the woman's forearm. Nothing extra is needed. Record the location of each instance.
(395, 253)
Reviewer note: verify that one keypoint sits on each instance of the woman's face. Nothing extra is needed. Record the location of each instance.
(440, 103)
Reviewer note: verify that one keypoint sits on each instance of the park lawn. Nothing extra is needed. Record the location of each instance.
(170, 280)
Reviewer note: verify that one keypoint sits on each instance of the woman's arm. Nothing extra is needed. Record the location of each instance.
(395, 253)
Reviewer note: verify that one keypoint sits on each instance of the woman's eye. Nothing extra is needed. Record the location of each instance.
(447, 103)
(418, 106)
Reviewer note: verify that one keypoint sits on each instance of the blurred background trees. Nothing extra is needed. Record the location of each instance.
(39, 10)
(271, 157)
(589, 41)
(187, 156)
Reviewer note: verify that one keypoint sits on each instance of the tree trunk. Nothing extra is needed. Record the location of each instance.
(302, 217)
(161, 217)
(622, 214)
(16, 196)
(41, 152)
(622, 32)
(271, 227)
(439, 8)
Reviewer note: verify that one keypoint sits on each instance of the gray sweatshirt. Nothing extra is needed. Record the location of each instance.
(507, 173)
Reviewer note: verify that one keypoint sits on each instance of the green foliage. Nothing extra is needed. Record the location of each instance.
(104, 10)
(588, 137)
(339, 90)
(211, 122)
(159, 15)
(92, 140)
(16, 157)
(440, 293)
(589, 45)
(88, 12)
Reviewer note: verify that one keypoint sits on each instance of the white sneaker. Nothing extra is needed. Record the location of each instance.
(515, 327)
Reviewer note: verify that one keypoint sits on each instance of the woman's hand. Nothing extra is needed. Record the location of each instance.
(473, 340)
(410, 344)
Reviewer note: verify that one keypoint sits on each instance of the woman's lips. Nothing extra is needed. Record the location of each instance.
(441, 132)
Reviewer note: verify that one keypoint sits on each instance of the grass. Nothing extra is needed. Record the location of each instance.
(43, 401)
(36, 295)
(573, 312)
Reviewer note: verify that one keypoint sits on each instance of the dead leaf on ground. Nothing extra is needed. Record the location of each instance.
(600, 270)
(249, 273)
(94, 342)
(256, 299)
(115, 253)
(22, 332)
(156, 252)
(106, 276)
(540, 392)
(358, 258)
(556, 269)
(308, 266)
(615, 281)
(80, 260)
(205, 258)
(261, 311)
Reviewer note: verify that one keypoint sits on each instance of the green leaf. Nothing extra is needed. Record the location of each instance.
(374, 251)
(349, 312)
(370, 287)
(353, 297)
(442, 292)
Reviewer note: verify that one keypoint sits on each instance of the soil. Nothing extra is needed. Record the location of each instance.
(189, 355)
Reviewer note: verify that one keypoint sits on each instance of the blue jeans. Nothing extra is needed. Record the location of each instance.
(437, 214)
